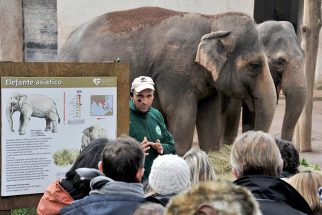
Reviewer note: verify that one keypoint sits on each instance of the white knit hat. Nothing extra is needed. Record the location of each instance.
(169, 174)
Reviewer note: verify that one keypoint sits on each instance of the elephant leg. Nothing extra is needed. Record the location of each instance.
(53, 119)
(181, 126)
(231, 113)
(26, 120)
(208, 123)
(248, 119)
(21, 119)
(48, 127)
(180, 115)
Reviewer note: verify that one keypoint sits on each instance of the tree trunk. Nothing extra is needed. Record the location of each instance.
(310, 40)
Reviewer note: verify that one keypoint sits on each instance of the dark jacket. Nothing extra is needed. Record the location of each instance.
(275, 196)
(62, 193)
(108, 197)
(160, 199)
(151, 125)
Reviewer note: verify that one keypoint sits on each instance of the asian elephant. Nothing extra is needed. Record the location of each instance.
(285, 60)
(195, 60)
(32, 105)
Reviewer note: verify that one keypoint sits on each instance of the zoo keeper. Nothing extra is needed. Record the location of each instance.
(147, 124)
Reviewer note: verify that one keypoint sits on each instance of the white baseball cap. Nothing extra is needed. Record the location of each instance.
(142, 83)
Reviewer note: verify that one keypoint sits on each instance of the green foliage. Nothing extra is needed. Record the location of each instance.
(304, 165)
(24, 211)
(65, 157)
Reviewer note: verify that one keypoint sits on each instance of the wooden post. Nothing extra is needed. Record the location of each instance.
(6, 212)
(310, 39)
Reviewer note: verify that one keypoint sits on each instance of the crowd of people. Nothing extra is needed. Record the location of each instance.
(141, 174)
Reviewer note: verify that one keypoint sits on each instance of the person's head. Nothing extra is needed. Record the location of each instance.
(290, 157)
(307, 183)
(149, 208)
(214, 197)
(200, 165)
(88, 158)
(142, 93)
(170, 174)
(255, 153)
(123, 160)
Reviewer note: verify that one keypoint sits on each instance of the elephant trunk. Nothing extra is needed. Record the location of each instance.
(264, 100)
(9, 112)
(295, 89)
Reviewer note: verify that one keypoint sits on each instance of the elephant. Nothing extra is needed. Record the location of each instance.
(92, 133)
(34, 105)
(196, 61)
(285, 60)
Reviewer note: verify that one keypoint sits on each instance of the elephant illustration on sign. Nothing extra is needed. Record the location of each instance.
(197, 61)
(285, 60)
(92, 133)
(32, 105)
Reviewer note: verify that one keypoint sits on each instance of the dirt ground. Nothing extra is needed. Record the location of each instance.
(314, 157)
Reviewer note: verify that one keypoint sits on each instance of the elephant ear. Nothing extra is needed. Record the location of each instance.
(212, 51)
(22, 99)
(87, 131)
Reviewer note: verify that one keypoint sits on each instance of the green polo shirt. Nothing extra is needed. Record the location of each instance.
(150, 125)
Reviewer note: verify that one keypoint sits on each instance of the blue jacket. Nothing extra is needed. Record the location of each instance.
(108, 197)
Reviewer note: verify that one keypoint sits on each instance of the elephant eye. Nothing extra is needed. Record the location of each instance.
(255, 67)
(279, 64)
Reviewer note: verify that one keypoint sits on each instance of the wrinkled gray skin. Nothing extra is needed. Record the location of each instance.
(196, 61)
(32, 105)
(285, 59)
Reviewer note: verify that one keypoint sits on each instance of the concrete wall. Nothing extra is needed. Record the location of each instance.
(318, 69)
(11, 39)
(72, 13)
(40, 30)
(41, 39)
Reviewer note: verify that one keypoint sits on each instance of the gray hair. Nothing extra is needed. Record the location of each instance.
(255, 152)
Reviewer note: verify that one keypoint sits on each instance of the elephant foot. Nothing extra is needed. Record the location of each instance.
(22, 133)
(54, 131)
(47, 129)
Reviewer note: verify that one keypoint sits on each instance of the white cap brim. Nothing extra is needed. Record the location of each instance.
(143, 87)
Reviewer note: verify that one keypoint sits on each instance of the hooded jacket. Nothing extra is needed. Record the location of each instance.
(108, 197)
(151, 125)
(62, 193)
(275, 196)
(55, 198)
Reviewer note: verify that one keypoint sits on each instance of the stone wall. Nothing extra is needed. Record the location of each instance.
(40, 30)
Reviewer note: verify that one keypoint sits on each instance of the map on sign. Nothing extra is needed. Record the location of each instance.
(101, 105)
